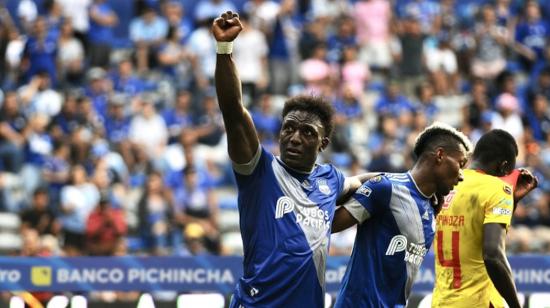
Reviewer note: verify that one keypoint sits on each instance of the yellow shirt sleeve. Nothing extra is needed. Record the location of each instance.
(499, 205)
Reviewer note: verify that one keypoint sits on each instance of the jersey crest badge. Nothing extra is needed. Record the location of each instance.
(507, 189)
(323, 187)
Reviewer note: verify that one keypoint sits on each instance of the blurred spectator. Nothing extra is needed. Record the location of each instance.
(54, 17)
(531, 35)
(354, 73)
(210, 128)
(479, 103)
(79, 18)
(27, 12)
(176, 61)
(105, 228)
(100, 36)
(40, 52)
(40, 216)
(147, 32)
(411, 57)
(539, 119)
(344, 37)
(393, 102)
(283, 51)
(210, 9)
(195, 203)
(313, 35)
(250, 54)
(71, 56)
(426, 103)
(56, 172)
(267, 121)
(148, 130)
(78, 199)
(428, 13)
(201, 45)
(262, 14)
(315, 71)
(174, 12)
(40, 97)
(38, 148)
(98, 90)
(126, 81)
(155, 220)
(194, 236)
(348, 113)
(508, 116)
(491, 40)
(372, 19)
(541, 84)
(443, 66)
(179, 118)
(12, 133)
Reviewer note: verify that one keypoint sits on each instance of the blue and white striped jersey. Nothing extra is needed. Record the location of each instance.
(285, 221)
(396, 229)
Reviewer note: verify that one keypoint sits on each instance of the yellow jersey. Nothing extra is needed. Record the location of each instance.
(461, 279)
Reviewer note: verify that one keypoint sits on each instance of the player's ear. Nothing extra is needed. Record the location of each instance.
(504, 168)
(439, 153)
(324, 143)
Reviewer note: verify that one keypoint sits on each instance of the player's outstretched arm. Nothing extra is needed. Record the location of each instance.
(242, 139)
(494, 257)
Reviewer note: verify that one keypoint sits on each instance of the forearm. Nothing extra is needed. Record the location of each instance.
(228, 86)
(242, 139)
(501, 275)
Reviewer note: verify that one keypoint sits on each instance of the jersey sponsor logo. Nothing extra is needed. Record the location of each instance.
(414, 253)
(313, 217)
(398, 243)
(323, 186)
(284, 205)
(364, 190)
(502, 211)
(507, 189)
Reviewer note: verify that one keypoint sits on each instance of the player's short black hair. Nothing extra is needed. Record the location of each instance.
(312, 104)
(496, 145)
(440, 135)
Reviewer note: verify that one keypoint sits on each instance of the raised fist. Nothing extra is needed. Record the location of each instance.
(226, 27)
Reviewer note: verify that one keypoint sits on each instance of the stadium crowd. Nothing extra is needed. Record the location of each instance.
(112, 143)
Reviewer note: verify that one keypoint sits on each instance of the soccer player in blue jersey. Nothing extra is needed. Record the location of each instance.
(286, 204)
(397, 220)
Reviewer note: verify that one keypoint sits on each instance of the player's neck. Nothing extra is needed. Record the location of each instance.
(422, 181)
(476, 165)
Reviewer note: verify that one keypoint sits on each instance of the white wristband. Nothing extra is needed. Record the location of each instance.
(224, 48)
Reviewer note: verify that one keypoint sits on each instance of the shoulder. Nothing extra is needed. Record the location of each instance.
(379, 185)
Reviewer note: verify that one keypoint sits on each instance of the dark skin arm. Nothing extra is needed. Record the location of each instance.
(342, 218)
(494, 256)
(242, 138)
(494, 239)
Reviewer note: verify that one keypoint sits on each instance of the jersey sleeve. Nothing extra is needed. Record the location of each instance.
(499, 205)
(370, 199)
(246, 174)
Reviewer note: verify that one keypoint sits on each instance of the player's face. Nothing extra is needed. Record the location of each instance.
(302, 136)
(450, 170)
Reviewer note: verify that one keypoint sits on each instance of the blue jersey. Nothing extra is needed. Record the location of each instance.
(285, 221)
(395, 233)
